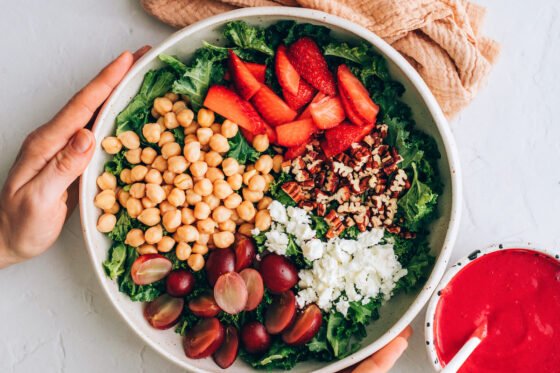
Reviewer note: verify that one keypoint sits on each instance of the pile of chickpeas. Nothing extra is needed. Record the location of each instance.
(197, 196)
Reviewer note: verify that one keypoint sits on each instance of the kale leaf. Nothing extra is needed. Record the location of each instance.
(240, 150)
(174, 63)
(137, 293)
(122, 227)
(287, 32)
(116, 164)
(114, 265)
(249, 37)
(278, 356)
(417, 204)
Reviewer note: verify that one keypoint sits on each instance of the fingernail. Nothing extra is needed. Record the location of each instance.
(81, 141)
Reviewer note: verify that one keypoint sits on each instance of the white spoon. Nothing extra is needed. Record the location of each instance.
(468, 348)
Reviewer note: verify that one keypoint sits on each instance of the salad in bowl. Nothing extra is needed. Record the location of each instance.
(265, 197)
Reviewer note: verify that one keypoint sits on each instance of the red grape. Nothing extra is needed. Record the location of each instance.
(230, 293)
(279, 274)
(219, 261)
(255, 287)
(204, 306)
(255, 337)
(204, 338)
(150, 268)
(227, 353)
(280, 314)
(164, 311)
(180, 283)
(245, 251)
(304, 328)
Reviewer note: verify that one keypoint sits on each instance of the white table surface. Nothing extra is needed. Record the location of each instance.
(54, 316)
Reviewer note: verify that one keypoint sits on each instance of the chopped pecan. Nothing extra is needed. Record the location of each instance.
(307, 205)
(390, 168)
(293, 189)
(331, 183)
(286, 165)
(336, 226)
(307, 184)
(321, 209)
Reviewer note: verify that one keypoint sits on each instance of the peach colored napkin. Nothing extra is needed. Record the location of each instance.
(440, 38)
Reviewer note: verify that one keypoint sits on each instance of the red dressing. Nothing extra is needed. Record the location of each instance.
(518, 292)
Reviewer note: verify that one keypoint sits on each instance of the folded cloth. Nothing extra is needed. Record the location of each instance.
(440, 38)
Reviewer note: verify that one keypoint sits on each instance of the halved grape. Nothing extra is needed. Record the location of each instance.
(255, 287)
(204, 306)
(180, 283)
(304, 328)
(164, 311)
(230, 293)
(280, 314)
(254, 337)
(245, 251)
(227, 353)
(278, 273)
(150, 268)
(219, 262)
(204, 338)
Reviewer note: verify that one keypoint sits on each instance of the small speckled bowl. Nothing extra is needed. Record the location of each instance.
(451, 273)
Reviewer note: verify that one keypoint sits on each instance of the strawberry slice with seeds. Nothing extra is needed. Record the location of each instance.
(304, 95)
(350, 112)
(270, 132)
(295, 151)
(327, 113)
(272, 108)
(258, 71)
(309, 62)
(356, 95)
(295, 133)
(228, 104)
(340, 138)
(245, 82)
(287, 75)
(306, 113)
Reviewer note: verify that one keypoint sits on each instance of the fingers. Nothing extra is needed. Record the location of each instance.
(65, 167)
(384, 359)
(140, 52)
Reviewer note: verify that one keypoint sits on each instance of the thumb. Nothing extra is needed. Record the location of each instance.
(66, 166)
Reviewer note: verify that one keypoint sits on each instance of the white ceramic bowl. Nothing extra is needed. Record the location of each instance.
(397, 313)
(450, 274)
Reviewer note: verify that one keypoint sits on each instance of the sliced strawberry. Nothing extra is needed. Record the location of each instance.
(304, 95)
(356, 95)
(350, 112)
(258, 70)
(270, 132)
(245, 82)
(228, 104)
(295, 151)
(306, 113)
(287, 75)
(272, 108)
(340, 138)
(327, 113)
(295, 133)
(248, 135)
(309, 62)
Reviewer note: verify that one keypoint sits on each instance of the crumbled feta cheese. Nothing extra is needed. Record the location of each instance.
(313, 249)
(277, 242)
(278, 212)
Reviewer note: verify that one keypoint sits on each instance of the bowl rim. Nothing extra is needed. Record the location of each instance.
(430, 103)
(450, 274)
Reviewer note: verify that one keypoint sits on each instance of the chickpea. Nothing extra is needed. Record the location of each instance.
(172, 96)
(219, 143)
(235, 181)
(246, 210)
(190, 132)
(147, 203)
(113, 210)
(155, 193)
(196, 262)
(268, 178)
(206, 226)
(187, 216)
(153, 177)
(138, 190)
(263, 220)
(166, 138)
(148, 155)
(111, 145)
(252, 196)
(230, 166)
(107, 181)
(105, 199)
(201, 210)
(126, 176)
(222, 189)
(235, 217)
(221, 214)
(228, 226)
(179, 106)
(257, 183)
(248, 168)
(176, 197)
(170, 120)
(248, 175)
(166, 244)
(212, 201)
(203, 238)
(135, 237)
(264, 203)
(123, 197)
(204, 135)
(163, 105)
(172, 220)
(185, 117)
(192, 197)
(146, 249)
(159, 122)
(264, 164)
(160, 163)
(199, 248)
(133, 156)
(129, 139)
(154, 113)
(245, 229)
(277, 163)
(232, 201)
(187, 233)
(260, 143)
(170, 149)
(223, 240)
(229, 129)
(150, 216)
(183, 181)
(213, 159)
(152, 132)
(168, 177)
(203, 187)
(183, 251)
(191, 151)
(106, 223)
(138, 173)
(166, 206)
(167, 189)
(177, 164)
(214, 174)
(153, 234)
(198, 169)
(205, 117)
(202, 154)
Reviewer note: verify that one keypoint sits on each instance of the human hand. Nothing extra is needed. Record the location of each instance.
(39, 192)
